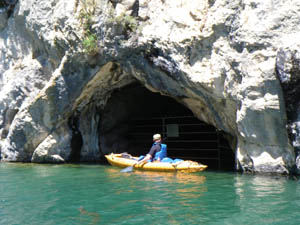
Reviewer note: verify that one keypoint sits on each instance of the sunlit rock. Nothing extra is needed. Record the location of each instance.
(219, 59)
(288, 71)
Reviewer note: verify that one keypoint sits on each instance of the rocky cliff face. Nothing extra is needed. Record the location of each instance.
(232, 63)
(288, 71)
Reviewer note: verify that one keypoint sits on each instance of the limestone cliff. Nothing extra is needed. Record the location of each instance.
(60, 61)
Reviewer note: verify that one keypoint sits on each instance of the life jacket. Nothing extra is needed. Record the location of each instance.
(162, 153)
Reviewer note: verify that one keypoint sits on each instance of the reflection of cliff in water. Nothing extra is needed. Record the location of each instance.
(264, 199)
(259, 186)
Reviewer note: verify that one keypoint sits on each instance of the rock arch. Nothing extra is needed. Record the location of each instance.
(218, 65)
(48, 135)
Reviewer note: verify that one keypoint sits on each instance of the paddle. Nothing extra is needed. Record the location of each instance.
(128, 169)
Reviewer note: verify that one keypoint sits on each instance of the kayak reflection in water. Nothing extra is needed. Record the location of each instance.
(94, 215)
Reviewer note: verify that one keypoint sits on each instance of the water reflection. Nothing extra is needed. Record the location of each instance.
(153, 191)
(265, 199)
(259, 186)
(186, 187)
(179, 177)
(35, 194)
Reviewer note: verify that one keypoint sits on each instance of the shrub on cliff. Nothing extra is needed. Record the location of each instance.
(90, 44)
(86, 17)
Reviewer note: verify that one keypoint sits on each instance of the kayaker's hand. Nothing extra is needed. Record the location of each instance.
(141, 163)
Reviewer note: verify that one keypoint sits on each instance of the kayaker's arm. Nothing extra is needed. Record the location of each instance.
(155, 148)
(147, 157)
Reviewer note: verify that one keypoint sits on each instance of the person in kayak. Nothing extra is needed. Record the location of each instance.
(157, 152)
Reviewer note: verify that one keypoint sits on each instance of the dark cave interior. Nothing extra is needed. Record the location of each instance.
(133, 114)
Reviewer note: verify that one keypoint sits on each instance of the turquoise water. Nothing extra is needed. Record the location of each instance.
(100, 194)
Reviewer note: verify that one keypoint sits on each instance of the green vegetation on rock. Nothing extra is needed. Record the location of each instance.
(90, 43)
(87, 20)
(128, 22)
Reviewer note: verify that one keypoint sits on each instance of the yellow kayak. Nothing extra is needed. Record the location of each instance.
(182, 166)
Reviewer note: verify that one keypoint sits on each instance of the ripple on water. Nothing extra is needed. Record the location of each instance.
(95, 194)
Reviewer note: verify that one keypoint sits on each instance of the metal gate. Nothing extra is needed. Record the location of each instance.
(186, 137)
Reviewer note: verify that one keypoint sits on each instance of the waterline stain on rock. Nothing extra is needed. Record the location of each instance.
(213, 59)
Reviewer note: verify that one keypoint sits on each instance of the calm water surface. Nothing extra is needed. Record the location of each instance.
(100, 194)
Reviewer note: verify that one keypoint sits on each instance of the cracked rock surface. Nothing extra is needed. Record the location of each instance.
(234, 64)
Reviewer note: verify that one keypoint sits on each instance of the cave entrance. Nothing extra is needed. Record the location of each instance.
(133, 114)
